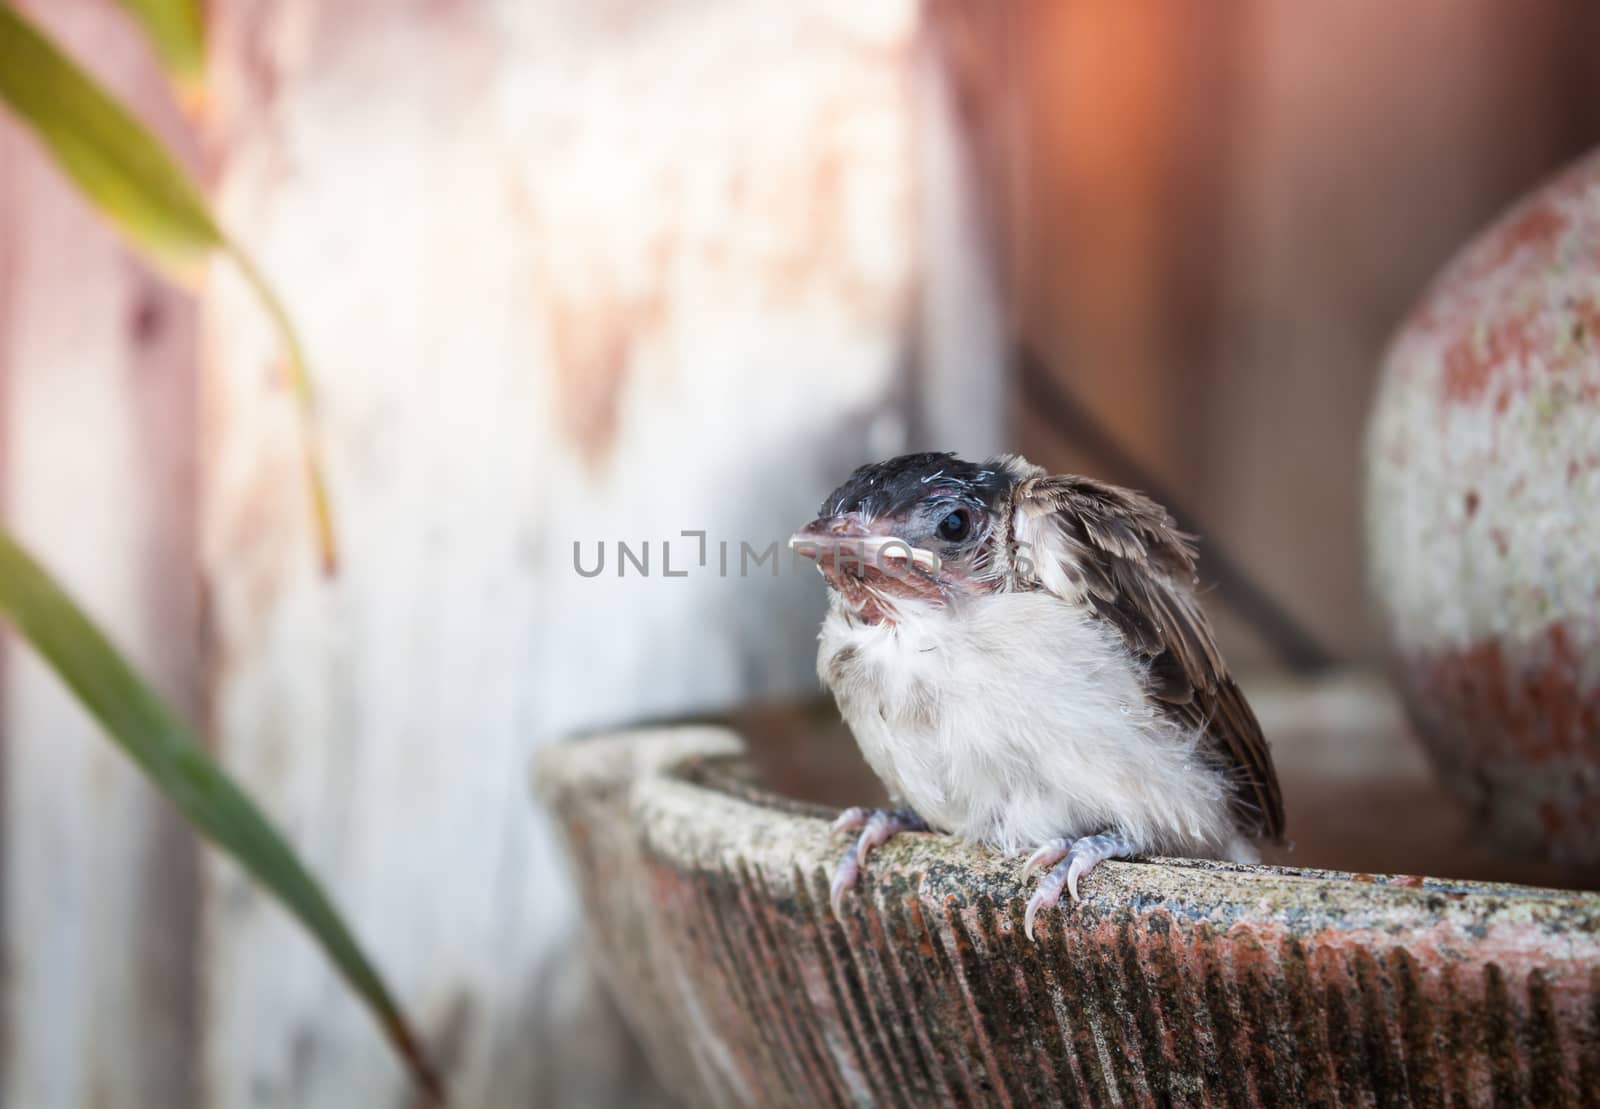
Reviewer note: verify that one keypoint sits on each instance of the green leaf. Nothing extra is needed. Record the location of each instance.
(153, 736)
(126, 173)
(177, 30)
(117, 164)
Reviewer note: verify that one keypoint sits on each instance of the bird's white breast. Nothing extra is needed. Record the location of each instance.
(1014, 718)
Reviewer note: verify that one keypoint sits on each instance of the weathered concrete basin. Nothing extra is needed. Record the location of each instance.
(1177, 982)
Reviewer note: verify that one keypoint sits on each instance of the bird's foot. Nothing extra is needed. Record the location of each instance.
(876, 827)
(1067, 861)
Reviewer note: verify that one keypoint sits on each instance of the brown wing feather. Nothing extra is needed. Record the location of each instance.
(1137, 571)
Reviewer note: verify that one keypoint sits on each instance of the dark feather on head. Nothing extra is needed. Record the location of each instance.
(890, 487)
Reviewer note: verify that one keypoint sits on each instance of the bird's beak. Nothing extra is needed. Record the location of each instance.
(827, 530)
(848, 534)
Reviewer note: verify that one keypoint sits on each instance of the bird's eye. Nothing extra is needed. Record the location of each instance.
(953, 528)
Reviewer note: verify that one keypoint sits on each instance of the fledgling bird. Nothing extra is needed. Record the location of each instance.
(1024, 664)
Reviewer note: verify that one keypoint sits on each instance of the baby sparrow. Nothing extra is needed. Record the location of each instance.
(1023, 662)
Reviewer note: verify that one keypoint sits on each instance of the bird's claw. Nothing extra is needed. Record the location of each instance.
(845, 873)
(849, 821)
(1046, 895)
(877, 827)
(1049, 854)
(1068, 861)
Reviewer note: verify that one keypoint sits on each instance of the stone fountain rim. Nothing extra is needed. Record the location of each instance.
(690, 808)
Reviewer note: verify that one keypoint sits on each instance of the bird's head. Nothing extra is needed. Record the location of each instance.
(920, 527)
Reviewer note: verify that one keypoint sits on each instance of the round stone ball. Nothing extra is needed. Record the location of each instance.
(1483, 520)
